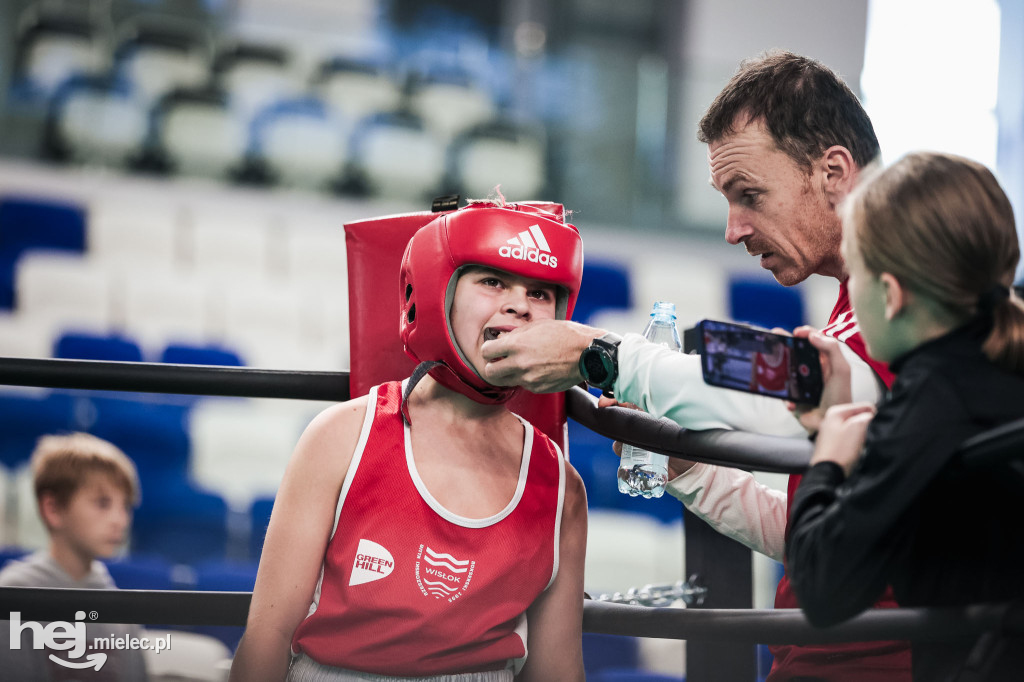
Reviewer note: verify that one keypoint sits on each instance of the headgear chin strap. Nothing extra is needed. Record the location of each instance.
(520, 239)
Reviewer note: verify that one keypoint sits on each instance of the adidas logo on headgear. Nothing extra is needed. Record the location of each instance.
(530, 245)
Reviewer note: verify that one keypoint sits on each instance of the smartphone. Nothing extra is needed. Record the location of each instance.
(755, 360)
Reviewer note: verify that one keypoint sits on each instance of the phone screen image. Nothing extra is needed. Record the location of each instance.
(759, 361)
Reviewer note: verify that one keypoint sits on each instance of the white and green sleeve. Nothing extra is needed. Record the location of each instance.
(669, 384)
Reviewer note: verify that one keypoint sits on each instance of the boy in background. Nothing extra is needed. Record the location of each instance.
(86, 489)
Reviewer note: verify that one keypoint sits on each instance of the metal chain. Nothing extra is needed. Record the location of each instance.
(689, 591)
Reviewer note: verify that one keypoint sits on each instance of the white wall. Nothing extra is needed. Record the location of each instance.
(1010, 111)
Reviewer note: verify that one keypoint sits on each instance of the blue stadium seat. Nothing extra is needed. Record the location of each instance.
(605, 285)
(95, 120)
(180, 523)
(215, 149)
(764, 661)
(84, 346)
(153, 434)
(7, 262)
(30, 223)
(156, 55)
(27, 222)
(52, 46)
(182, 354)
(254, 74)
(499, 152)
(764, 302)
(355, 89)
(449, 98)
(591, 455)
(299, 143)
(143, 573)
(601, 652)
(393, 154)
(225, 577)
(26, 417)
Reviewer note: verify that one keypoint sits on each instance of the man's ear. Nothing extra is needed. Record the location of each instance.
(51, 510)
(839, 172)
(896, 295)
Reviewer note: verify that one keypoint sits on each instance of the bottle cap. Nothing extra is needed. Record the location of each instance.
(663, 309)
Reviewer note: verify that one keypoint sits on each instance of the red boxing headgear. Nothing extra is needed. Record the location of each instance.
(520, 239)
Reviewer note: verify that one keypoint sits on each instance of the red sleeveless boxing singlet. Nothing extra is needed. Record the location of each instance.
(407, 588)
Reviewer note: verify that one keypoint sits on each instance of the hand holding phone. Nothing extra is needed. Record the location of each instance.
(835, 374)
(755, 360)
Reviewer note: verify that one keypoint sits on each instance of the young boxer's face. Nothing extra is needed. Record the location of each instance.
(488, 303)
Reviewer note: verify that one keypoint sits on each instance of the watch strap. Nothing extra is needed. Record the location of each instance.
(598, 363)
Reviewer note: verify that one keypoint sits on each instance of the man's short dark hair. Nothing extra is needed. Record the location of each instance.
(805, 106)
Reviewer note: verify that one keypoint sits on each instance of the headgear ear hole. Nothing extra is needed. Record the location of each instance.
(411, 316)
(408, 291)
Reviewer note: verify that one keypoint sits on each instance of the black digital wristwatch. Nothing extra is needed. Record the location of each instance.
(599, 363)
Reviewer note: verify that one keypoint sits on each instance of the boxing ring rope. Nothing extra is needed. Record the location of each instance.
(731, 448)
(766, 626)
(152, 377)
(714, 446)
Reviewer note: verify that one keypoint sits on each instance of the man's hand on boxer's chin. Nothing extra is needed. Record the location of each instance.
(541, 356)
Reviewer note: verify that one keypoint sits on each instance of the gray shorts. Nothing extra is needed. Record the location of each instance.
(305, 669)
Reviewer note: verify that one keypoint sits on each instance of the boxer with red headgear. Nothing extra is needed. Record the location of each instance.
(518, 239)
(449, 543)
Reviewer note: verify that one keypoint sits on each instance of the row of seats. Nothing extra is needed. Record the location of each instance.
(278, 325)
(274, 293)
(165, 99)
(157, 54)
(297, 142)
(235, 448)
(143, 235)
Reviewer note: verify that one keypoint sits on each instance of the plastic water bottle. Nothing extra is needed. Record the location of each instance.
(642, 472)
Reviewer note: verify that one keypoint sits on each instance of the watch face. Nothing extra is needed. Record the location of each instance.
(595, 364)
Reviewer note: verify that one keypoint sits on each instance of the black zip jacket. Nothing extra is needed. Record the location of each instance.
(910, 514)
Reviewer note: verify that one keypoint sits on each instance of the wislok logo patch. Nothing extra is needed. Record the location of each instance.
(441, 575)
(372, 562)
(531, 245)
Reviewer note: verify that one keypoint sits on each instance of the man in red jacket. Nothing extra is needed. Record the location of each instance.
(787, 140)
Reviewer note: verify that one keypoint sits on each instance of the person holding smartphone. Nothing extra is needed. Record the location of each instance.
(886, 500)
(787, 141)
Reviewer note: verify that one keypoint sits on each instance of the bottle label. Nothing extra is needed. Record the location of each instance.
(639, 456)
